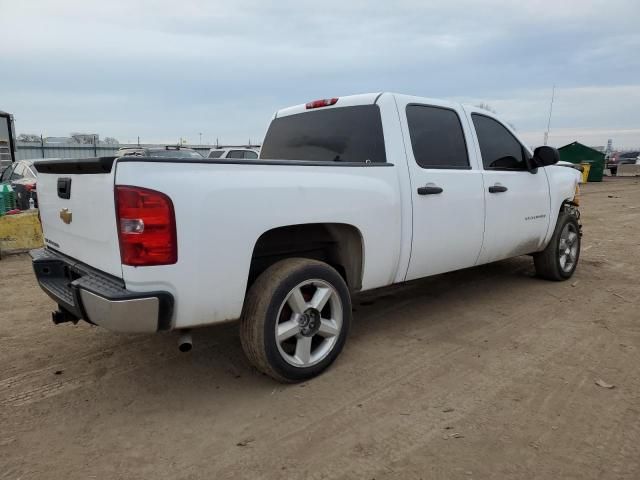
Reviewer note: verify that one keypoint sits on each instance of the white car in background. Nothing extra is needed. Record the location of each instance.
(238, 153)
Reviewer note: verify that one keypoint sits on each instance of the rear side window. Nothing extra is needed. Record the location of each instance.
(216, 154)
(345, 134)
(499, 148)
(437, 138)
(236, 154)
(249, 155)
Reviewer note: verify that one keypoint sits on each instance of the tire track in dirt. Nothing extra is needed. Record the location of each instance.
(397, 439)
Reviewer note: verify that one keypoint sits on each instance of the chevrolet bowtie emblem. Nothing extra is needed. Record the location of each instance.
(66, 216)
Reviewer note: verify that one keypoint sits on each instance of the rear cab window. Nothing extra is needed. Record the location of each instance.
(342, 134)
(216, 154)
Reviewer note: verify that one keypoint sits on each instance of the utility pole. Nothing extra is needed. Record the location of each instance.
(200, 138)
(546, 134)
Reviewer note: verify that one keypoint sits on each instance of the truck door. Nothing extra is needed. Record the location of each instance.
(516, 200)
(447, 191)
(6, 141)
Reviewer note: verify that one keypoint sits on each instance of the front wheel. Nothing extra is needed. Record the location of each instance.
(296, 319)
(559, 260)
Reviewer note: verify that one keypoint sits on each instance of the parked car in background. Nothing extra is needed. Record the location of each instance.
(621, 158)
(169, 151)
(22, 177)
(234, 152)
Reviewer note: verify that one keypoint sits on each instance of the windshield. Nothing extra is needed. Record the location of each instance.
(174, 154)
(346, 134)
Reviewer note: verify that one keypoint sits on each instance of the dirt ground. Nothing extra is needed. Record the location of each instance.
(484, 373)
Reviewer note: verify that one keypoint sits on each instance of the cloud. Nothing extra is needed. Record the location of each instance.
(163, 69)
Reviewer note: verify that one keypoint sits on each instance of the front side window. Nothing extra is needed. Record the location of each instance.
(345, 134)
(437, 138)
(500, 150)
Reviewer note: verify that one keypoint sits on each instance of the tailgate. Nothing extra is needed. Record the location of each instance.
(77, 210)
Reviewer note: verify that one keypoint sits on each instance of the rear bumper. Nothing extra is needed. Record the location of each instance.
(82, 292)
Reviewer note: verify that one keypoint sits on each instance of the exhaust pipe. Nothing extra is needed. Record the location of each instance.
(185, 343)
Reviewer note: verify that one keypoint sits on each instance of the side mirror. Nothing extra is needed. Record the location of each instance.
(545, 156)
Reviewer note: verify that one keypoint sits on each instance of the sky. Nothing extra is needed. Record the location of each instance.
(165, 70)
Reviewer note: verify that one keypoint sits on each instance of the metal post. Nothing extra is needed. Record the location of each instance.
(95, 147)
(42, 145)
(546, 135)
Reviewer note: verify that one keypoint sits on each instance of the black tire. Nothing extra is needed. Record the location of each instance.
(548, 262)
(265, 307)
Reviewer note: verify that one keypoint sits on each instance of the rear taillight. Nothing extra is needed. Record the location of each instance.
(326, 102)
(146, 227)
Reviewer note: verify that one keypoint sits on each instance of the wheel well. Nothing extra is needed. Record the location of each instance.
(338, 244)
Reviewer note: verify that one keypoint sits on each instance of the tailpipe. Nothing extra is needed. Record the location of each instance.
(185, 342)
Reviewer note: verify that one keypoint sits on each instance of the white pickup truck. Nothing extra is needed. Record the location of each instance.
(349, 194)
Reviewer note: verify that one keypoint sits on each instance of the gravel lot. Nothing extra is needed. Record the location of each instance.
(485, 373)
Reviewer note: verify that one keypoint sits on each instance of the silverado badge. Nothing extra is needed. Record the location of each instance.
(66, 215)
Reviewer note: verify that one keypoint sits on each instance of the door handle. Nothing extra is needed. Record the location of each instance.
(497, 189)
(429, 190)
(64, 188)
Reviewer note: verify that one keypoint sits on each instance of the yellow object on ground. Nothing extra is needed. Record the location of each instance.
(19, 233)
(585, 172)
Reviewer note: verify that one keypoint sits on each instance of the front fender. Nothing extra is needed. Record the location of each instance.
(563, 184)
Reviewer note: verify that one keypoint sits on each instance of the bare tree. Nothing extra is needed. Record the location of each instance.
(111, 141)
(29, 137)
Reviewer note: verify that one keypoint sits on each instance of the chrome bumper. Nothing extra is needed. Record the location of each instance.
(82, 292)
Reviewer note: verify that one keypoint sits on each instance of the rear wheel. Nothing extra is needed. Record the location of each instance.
(296, 319)
(559, 260)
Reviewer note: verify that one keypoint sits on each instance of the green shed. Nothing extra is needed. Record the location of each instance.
(578, 153)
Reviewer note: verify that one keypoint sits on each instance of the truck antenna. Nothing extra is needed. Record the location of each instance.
(546, 134)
